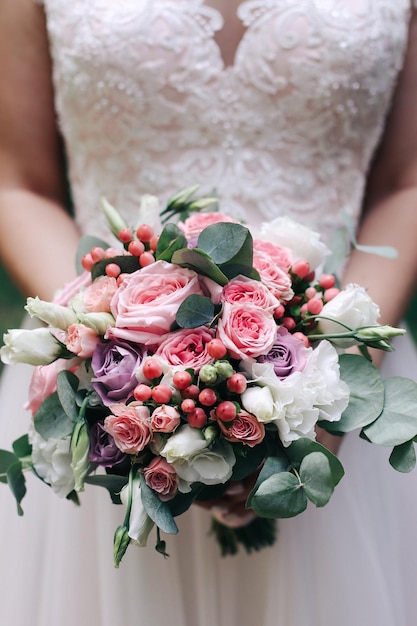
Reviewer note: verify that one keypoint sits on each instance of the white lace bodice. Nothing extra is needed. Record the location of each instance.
(146, 104)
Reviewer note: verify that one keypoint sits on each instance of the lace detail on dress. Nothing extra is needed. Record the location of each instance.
(146, 104)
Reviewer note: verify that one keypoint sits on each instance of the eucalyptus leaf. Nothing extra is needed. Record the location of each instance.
(85, 244)
(17, 484)
(158, 511)
(247, 459)
(403, 457)
(127, 263)
(112, 482)
(66, 386)
(170, 240)
(197, 260)
(316, 477)
(21, 447)
(226, 242)
(397, 423)
(195, 311)
(303, 447)
(366, 394)
(280, 496)
(7, 459)
(51, 421)
(231, 270)
(273, 465)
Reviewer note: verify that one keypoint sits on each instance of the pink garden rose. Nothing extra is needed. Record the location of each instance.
(244, 429)
(246, 330)
(165, 419)
(197, 222)
(276, 279)
(129, 427)
(71, 289)
(243, 290)
(162, 478)
(186, 348)
(146, 303)
(96, 298)
(81, 340)
(283, 257)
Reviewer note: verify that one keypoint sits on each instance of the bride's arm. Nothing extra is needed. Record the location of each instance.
(34, 226)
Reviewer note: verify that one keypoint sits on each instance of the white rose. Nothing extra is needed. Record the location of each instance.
(352, 307)
(34, 347)
(301, 240)
(259, 402)
(211, 466)
(184, 444)
(140, 524)
(321, 376)
(52, 461)
(52, 314)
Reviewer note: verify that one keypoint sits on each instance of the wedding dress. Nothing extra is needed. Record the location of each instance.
(146, 104)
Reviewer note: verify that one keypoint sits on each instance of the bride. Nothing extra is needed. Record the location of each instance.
(299, 107)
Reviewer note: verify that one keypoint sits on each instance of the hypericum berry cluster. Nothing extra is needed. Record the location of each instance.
(141, 243)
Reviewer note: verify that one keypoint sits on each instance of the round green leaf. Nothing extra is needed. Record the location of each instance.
(366, 394)
(403, 457)
(7, 459)
(200, 262)
(316, 478)
(170, 240)
(158, 511)
(224, 241)
(51, 421)
(273, 465)
(280, 496)
(303, 447)
(195, 311)
(398, 420)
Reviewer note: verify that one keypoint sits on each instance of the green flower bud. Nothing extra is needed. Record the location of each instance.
(208, 374)
(80, 445)
(120, 543)
(210, 433)
(372, 333)
(224, 368)
(115, 220)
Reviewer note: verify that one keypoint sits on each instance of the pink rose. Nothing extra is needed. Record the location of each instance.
(245, 428)
(129, 427)
(71, 289)
(197, 222)
(96, 298)
(165, 419)
(81, 340)
(243, 290)
(43, 382)
(278, 281)
(146, 303)
(246, 330)
(283, 257)
(186, 348)
(162, 478)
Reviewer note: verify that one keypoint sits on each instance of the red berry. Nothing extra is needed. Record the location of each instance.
(301, 268)
(314, 306)
(216, 348)
(302, 337)
(87, 262)
(136, 248)
(125, 235)
(162, 394)
(153, 243)
(207, 397)
(187, 405)
(236, 383)
(182, 379)
(191, 392)
(329, 294)
(142, 392)
(146, 258)
(310, 292)
(113, 270)
(226, 411)
(109, 253)
(289, 323)
(152, 368)
(327, 281)
(279, 311)
(97, 254)
(144, 232)
(197, 418)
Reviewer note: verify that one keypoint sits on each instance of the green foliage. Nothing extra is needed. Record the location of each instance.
(195, 311)
(170, 240)
(84, 246)
(403, 457)
(158, 511)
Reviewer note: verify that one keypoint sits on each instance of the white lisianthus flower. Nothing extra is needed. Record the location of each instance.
(259, 402)
(149, 211)
(52, 314)
(303, 242)
(52, 461)
(184, 444)
(34, 347)
(211, 466)
(321, 375)
(352, 307)
(140, 524)
(99, 322)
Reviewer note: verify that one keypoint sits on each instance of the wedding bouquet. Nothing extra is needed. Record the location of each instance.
(175, 365)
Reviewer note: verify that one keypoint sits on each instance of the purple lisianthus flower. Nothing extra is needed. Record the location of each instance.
(288, 354)
(103, 449)
(114, 364)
